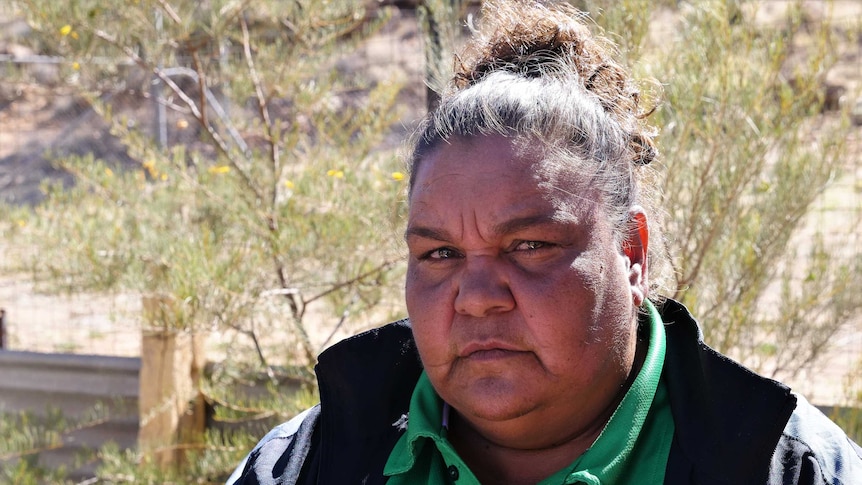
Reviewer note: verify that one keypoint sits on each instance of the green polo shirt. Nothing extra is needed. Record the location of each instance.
(631, 449)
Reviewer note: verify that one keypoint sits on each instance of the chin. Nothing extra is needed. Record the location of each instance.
(494, 399)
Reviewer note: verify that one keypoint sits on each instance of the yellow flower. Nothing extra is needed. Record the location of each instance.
(109, 172)
(21, 223)
(288, 184)
(397, 176)
(339, 174)
(66, 30)
(164, 177)
(76, 66)
(219, 169)
(150, 167)
(74, 35)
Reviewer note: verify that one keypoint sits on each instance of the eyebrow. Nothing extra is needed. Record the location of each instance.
(506, 227)
(427, 233)
(521, 223)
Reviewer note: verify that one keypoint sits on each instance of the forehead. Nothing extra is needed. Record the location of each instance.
(493, 174)
(489, 156)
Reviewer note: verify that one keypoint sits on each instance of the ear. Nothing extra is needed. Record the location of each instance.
(635, 249)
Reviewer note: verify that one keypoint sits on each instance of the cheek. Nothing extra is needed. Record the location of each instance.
(576, 310)
(422, 295)
(427, 306)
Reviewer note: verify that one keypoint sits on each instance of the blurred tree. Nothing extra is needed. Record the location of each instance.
(281, 198)
(748, 148)
(262, 202)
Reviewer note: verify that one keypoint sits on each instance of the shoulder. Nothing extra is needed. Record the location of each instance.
(814, 450)
(279, 456)
(393, 339)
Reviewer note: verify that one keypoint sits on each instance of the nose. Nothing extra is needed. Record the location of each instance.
(482, 289)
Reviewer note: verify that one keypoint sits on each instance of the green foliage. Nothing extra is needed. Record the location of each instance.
(27, 435)
(266, 216)
(440, 23)
(208, 463)
(747, 152)
(850, 418)
(627, 22)
(282, 207)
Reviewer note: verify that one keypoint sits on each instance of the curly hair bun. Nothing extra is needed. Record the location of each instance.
(537, 39)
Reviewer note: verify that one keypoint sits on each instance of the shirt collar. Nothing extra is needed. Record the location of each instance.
(604, 461)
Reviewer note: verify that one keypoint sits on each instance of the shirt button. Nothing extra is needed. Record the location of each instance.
(453, 472)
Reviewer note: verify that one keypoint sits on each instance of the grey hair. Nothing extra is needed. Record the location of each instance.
(553, 114)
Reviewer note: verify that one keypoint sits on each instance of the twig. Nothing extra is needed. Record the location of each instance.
(256, 412)
(253, 335)
(263, 109)
(32, 451)
(334, 330)
(275, 159)
(196, 113)
(202, 86)
(170, 11)
(352, 281)
(212, 102)
(290, 293)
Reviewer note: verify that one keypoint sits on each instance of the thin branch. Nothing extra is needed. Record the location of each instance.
(170, 11)
(379, 269)
(337, 327)
(252, 334)
(290, 293)
(257, 413)
(263, 109)
(196, 113)
(202, 86)
(55, 446)
(212, 102)
(33, 451)
(306, 340)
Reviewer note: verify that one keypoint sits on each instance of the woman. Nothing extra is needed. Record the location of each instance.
(533, 353)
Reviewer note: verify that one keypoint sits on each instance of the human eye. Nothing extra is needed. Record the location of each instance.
(441, 254)
(530, 245)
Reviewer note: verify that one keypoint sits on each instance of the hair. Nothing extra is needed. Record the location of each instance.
(535, 73)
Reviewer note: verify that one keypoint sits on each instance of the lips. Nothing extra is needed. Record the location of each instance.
(489, 350)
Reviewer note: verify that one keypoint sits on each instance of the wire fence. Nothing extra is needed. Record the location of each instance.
(40, 114)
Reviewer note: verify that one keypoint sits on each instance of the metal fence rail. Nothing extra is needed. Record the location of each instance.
(76, 385)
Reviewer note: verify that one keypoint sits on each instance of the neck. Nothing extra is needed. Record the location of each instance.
(493, 462)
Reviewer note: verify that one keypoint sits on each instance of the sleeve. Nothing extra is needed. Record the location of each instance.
(278, 457)
(815, 451)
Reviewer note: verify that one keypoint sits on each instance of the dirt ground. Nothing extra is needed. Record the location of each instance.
(33, 118)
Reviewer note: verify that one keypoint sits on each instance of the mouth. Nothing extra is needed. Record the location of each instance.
(489, 351)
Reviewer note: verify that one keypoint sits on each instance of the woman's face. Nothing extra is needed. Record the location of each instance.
(522, 303)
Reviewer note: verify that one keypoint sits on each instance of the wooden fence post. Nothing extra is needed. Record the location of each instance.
(171, 406)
